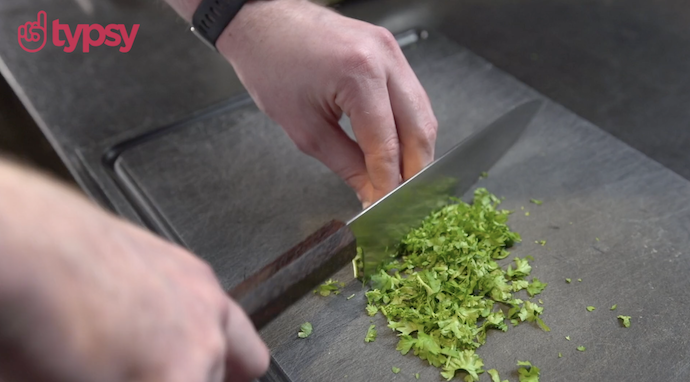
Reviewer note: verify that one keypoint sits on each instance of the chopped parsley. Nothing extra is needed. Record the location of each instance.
(542, 242)
(528, 374)
(484, 175)
(568, 281)
(614, 306)
(371, 334)
(567, 338)
(395, 370)
(535, 287)
(527, 213)
(581, 348)
(579, 280)
(560, 355)
(590, 308)
(305, 330)
(329, 286)
(442, 292)
(416, 375)
(494, 375)
(626, 320)
(350, 296)
(535, 201)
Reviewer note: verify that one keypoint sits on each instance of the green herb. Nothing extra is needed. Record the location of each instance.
(597, 238)
(527, 213)
(535, 287)
(567, 280)
(529, 374)
(579, 280)
(542, 242)
(590, 308)
(329, 286)
(371, 334)
(581, 348)
(535, 201)
(560, 355)
(522, 208)
(416, 375)
(567, 338)
(395, 370)
(484, 175)
(350, 296)
(626, 320)
(372, 309)
(494, 375)
(441, 292)
(541, 302)
(305, 330)
(614, 306)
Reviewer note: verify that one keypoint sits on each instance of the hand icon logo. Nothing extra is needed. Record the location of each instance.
(35, 31)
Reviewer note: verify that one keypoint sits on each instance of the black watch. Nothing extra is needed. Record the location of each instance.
(212, 17)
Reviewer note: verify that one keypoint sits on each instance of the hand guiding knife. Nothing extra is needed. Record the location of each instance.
(382, 225)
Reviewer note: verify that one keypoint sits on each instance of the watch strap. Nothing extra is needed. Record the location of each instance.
(212, 17)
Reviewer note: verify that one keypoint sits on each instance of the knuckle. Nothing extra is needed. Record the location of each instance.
(386, 38)
(361, 61)
(430, 130)
(388, 151)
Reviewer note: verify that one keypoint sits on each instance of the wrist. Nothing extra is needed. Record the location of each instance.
(250, 24)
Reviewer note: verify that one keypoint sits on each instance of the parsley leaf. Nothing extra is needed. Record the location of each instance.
(614, 306)
(581, 348)
(567, 338)
(535, 287)
(329, 286)
(590, 308)
(529, 374)
(371, 334)
(416, 375)
(350, 296)
(560, 355)
(494, 376)
(626, 320)
(567, 280)
(535, 201)
(395, 370)
(305, 330)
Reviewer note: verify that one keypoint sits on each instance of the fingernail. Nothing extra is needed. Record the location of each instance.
(365, 205)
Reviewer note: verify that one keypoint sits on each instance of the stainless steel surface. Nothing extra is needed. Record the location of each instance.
(380, 227)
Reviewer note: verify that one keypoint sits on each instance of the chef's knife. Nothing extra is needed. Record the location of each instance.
(382, 225)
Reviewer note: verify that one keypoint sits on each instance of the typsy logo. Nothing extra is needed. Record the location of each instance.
(32, 36)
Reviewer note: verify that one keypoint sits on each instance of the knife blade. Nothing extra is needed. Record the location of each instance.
(380, 227)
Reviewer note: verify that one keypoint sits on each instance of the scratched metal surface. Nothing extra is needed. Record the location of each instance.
(205, 181)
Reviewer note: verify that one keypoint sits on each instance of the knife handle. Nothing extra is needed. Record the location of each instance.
(270, 291)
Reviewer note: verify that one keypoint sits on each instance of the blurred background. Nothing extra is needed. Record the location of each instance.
(622, 64)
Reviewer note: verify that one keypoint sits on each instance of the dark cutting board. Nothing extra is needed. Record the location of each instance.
(231, 187)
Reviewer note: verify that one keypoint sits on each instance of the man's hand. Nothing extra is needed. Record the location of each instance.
(87, 297)
(305, 66)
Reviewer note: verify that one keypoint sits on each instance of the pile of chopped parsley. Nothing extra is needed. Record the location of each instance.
(445, 290)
